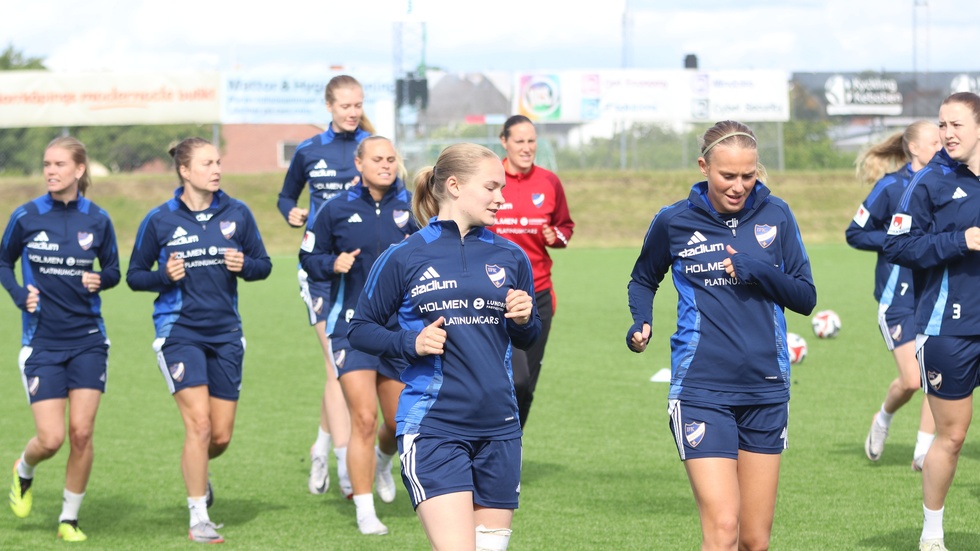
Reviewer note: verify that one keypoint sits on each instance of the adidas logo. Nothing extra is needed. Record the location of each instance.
(43, 236)
(696, 238)
(179, 232)
(959, 193)
(430, 273)
(321, 164)
(354, 218)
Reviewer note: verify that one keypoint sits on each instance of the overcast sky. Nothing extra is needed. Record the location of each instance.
(505, 35)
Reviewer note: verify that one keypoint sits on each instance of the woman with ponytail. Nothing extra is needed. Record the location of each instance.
(64, 359)
(910, 150)
(452, 301)
(324, 164)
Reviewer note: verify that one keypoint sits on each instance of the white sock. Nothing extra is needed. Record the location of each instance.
(365, 506)
(24, 469)
(322, 445)
(922, 442)
(70, 504)
(884, 418)
(932, 525)
(384, 460)
(341, 455)
(198, 507)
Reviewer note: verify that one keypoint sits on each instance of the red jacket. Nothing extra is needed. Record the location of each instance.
(533, 200)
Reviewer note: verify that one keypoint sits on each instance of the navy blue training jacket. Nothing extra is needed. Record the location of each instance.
(203, 306)
(56, 242)
(730, 343)
(928, 234)
(468, 391)
(351, 221)
(867, 232)
(326, 163)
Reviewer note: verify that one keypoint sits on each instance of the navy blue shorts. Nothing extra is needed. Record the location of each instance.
(216, 365)
(435, 465)
(897, 325)
(49, 374)
(949, 366)
(710, 430)
(355, 360)
(316, 296)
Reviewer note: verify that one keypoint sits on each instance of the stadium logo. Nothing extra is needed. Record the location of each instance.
(33, 384)
(180, 237)
(537, 199)
(935, 379)
(85, 240)
(321, 170)
(177, 371)
(227, 228)
(400, 217)
(701, 248)
(497, 275)
(765, 234)
(694, 433)
(901, 223)
(41, 242)
(430, 273)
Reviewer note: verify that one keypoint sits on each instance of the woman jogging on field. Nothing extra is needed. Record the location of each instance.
(934, 232)
(737, 260)
(58, 238)
(348, 233)
(461, 298)
(192, 250)
(324, 164)
(535, 216)
(894, 291)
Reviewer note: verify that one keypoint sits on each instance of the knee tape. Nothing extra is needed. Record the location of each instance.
(492, 539)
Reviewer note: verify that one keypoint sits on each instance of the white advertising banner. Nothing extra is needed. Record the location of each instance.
(297, 97)
(42, 98)
(652, 96)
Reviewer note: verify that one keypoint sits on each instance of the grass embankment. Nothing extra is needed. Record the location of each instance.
(610, 209)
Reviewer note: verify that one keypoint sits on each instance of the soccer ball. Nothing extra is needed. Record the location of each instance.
(796, 346)
(826, 324)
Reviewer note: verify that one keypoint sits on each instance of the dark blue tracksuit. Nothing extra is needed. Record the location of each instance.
(203, 306)
(467, 391)
(353, 220)
(730, 343)
(56, 243)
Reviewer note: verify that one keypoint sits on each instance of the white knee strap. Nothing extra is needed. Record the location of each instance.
(492, 539)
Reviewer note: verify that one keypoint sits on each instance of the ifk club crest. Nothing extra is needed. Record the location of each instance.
(694, 433)
(227, 228)
(765, 234)
(85, 240)
(497, 275)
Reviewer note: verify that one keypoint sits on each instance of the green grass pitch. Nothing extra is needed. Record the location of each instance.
(600, 470)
